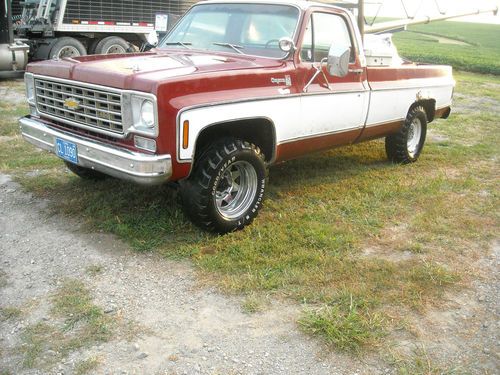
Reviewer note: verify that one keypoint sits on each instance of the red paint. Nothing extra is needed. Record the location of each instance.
(380, 130)
(295, 149)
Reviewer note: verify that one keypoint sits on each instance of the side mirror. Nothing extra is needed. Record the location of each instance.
(152, 38)
(286, 44)
(338, 60)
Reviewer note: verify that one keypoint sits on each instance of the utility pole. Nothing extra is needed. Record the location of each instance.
(361, 17)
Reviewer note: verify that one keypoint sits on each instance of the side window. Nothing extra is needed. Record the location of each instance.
(323, 30)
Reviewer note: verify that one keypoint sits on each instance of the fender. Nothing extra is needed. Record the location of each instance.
(261, 114)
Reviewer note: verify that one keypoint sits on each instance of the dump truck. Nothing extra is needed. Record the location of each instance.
(70, 28)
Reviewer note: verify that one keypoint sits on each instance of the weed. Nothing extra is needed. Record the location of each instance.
(252, 304)
(94, 270)
(87, 366)
(3, 279)
(8, 313)
(84, 324)
(419, 362)
(345, 327)
(74, 303)
(37, 339)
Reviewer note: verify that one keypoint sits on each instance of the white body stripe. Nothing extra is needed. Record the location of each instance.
(305, 116)
(393, 104)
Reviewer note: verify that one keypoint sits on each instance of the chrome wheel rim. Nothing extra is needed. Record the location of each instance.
(236, 190)
(68, 51)
(114, 49)
(414, 134)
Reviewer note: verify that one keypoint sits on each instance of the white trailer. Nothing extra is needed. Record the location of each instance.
(69, 28)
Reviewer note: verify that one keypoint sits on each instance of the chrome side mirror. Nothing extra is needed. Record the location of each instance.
(152, 38)
(286, 44)
(338, 60)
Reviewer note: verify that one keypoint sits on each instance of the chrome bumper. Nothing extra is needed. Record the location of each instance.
(121, 163)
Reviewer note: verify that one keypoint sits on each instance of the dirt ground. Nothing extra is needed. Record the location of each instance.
(184, 328)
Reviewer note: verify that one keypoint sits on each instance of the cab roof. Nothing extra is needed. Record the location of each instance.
(301, 4)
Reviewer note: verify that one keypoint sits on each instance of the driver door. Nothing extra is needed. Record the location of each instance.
(333, 109)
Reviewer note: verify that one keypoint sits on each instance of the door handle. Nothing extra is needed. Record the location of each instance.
(356, 71)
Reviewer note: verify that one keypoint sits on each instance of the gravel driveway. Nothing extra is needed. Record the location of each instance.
(184, 328)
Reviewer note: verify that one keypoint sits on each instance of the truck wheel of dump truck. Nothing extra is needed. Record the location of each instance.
(226, 187)
(85, 173)
(92, 46)
(111, 45)
(67, 47)
(406, 145)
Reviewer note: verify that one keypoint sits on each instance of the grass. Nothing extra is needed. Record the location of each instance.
(9, 313)
(87, 366)
(94, 270)
(78, 323)
(481, 53)
(3, 279)
(252, 304)
(346, 327)
(309, 242)
(419, 362)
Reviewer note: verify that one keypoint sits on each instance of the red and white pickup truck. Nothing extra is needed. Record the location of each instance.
(235, 87)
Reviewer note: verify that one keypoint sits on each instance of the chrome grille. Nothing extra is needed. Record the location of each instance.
(90, 107)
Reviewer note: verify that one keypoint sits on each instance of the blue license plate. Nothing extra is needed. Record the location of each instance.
(67, 150)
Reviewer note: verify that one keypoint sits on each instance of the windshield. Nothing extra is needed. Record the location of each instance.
(250, 29)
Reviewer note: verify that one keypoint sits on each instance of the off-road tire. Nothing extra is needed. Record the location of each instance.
(213, 170)
(111, 45)
(399, 146)
(85, 173)
(73, 46)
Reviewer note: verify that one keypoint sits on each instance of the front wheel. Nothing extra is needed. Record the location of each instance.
(406, 145)
(226, 188)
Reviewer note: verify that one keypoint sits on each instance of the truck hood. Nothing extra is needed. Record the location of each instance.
(143, 71)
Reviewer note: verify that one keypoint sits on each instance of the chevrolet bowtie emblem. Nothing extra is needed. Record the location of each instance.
(71, 103)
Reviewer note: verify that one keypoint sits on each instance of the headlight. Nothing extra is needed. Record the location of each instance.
(140, 113)
(30, 88)
(29, 81)
(148, 113)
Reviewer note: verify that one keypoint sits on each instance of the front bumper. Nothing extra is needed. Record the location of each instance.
(121, 163)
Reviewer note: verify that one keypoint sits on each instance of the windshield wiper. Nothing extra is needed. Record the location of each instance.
(236, 47)
(184, 44)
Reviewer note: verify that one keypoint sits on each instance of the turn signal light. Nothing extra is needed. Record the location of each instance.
(185, 134)
(145, 143)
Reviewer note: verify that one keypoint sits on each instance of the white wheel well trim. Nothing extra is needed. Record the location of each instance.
(226, 121)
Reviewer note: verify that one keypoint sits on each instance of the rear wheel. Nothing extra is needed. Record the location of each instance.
(226, 188)
(111, 45)
(406, 145)
(67, 47)
(85, 173)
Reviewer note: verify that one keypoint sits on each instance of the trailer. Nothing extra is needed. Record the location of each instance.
(13, 53)
(70, 28)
